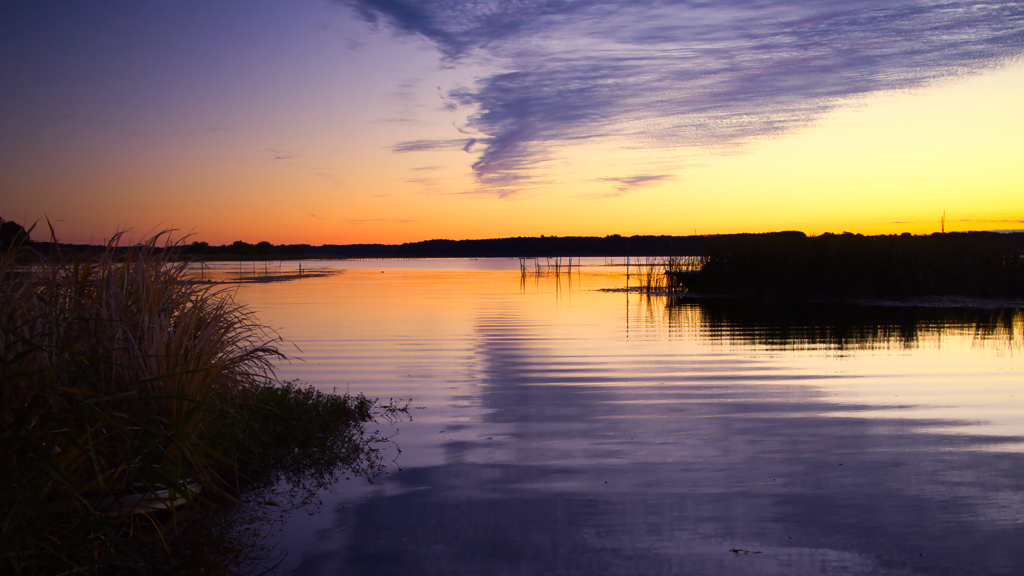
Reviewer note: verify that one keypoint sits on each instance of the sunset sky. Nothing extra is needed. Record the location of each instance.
(323, 122)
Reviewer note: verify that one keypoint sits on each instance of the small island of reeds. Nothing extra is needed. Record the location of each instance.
(133, 397)
(790, 265)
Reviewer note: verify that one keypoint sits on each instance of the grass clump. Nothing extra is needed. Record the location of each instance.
(119, 377)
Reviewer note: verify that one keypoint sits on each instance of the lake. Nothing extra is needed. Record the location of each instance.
(560, 428)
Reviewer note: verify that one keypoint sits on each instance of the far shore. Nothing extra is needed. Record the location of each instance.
(611, 246)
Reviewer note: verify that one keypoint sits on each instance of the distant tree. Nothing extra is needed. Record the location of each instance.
(294, 250)
(199, 248)
(264, 247)
(12, 234)
(242, 248)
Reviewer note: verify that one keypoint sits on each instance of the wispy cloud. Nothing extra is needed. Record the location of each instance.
(315, 216)
(276, 154)
(408, 107)
(673, 73)
(426, 145)
(425, 182)
(629, 183)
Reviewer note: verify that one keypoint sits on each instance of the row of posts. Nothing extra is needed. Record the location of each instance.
(266, 270)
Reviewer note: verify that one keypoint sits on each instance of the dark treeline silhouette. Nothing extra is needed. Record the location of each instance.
(518, 247)
(521, 247)
(244, 250)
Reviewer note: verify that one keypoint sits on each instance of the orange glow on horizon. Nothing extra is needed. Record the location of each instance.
(888, 164)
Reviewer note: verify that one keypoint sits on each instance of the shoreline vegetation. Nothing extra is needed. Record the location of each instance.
(128, 389)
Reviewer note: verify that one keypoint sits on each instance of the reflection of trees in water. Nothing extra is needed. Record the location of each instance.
(833, 326)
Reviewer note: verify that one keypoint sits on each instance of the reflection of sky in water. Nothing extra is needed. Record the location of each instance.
(570, 432)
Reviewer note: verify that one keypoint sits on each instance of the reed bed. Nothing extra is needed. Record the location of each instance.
(670, 275)
(651, 275)
(119, 377)
(785, 266)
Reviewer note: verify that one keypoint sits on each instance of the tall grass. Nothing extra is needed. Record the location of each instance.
(119, 376)
(671, 274)
(681, 273)
(650, 275)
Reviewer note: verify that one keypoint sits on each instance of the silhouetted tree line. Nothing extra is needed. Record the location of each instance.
(238, 248)
(522, 247)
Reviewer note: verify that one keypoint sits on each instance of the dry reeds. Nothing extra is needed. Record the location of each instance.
(123, 386)
(111, 370)
(650, 274)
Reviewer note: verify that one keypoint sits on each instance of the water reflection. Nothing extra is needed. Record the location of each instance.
(840, 326)
(704, 439)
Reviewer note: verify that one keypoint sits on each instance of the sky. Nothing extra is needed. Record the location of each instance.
(388, 121)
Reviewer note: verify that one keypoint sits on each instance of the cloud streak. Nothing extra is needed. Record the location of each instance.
(628, 183)
(431, 145)
(668, 73)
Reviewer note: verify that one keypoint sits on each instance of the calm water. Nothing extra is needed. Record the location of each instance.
(560, 429)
